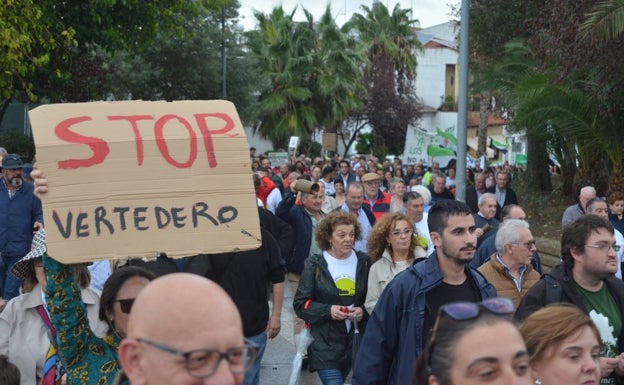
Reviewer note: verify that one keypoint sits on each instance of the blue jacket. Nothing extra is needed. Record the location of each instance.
(17, 217)
(297, 217)
(394, 334)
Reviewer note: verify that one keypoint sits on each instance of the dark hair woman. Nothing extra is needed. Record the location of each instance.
(475, 343)
(88, 358)
(331, 295)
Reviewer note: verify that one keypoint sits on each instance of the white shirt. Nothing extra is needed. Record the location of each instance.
(619, 240)
(343, 273)
(423, 229)
(273, 200)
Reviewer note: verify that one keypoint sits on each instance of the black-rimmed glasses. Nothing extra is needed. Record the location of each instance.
(203, 363)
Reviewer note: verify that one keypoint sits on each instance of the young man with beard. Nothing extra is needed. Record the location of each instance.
(585, 279)
(401, 323)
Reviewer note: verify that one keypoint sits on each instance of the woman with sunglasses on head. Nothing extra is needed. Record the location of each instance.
(564, 346)
(331, 296)
(393, 246)
(475, 343)
(25, 327)
(89, 359)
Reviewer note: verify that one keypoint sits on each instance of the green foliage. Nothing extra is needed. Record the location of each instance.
(313, 72)
(174, 68)
(52, 49)
(364, 143)
(605, 21)
(390, 99)
(27, 41)
(17, 143)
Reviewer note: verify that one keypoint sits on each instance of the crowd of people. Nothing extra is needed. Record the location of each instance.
(396, 280)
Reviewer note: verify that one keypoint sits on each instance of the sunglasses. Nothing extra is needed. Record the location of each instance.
(125, 304)
(461, 311)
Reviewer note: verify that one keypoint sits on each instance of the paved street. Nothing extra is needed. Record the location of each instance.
(280, 352)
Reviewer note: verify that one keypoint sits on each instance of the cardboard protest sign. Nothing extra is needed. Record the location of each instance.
(133, 179)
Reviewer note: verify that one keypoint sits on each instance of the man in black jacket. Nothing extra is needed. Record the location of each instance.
(585, 279)
(505, 195)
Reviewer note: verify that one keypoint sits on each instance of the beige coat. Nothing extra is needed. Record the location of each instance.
(382, 272)
(24, 336)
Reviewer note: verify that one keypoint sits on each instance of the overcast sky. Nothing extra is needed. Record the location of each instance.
(428, 12)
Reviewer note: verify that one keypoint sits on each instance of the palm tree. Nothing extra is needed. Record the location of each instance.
(313, 73)
(338, 75)
(605, 21)
(283, 49)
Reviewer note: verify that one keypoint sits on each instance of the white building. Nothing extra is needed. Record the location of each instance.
(436, 87)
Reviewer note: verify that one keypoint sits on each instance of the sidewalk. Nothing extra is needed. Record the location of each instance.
(280, 352)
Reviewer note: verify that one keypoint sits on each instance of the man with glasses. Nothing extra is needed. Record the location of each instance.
(184, 329)
(488, 247)
(586, 279)
(401, 323)
(354, 205)
(509, 269)
(377, 200)
(598, 206)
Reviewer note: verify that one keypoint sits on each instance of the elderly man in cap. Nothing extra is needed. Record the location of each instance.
(20, 216)
(377, 200)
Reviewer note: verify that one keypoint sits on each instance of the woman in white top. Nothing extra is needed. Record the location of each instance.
(392, 245)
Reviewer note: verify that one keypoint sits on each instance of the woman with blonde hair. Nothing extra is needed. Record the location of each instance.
(564, 346)
(396, 188)
(393, 245)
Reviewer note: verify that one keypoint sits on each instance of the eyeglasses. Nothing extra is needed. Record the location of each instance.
(461, 311)
(406, 232)
(605, 247)
(125, 304)
(203, 363)
(529, 245)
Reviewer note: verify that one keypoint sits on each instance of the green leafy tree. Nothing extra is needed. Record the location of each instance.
(28, 39)
(313, 72)
(389, 75)
(18, 143)
(173, 68)
(282, 49)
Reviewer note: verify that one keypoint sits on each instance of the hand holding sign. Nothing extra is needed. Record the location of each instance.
(132, 179)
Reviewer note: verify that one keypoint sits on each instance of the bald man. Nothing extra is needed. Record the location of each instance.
(173, 319)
